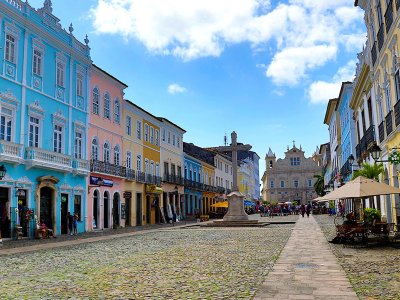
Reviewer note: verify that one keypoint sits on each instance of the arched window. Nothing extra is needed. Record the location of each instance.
(106, 106)
(95, 149)
(116, 111)
(139, 163)
(158, 169)
(146, 166)
(116, 155)
(152, 168)
(95, 101)
(129, 160)
(106, 152)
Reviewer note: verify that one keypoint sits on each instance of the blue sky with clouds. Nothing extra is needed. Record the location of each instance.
(262, 68)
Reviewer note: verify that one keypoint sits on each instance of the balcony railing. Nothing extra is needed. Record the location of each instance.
(381, 36)
(11, 152)
(18, 4)
(107, 168)
(130, 174)
(397, 112)
(174, 179)
(141, 177)
(346, 169)
(37, 157)
(81, 166)
(389, 16)
(389, 123)
(381, 129)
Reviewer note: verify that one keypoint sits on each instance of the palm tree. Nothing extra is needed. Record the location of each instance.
(319, 185)
(369, 171)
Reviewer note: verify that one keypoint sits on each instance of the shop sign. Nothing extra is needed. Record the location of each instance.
(123, 211)
(127, 195)
(100, 181)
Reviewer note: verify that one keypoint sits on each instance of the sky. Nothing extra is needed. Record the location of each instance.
(263, 68)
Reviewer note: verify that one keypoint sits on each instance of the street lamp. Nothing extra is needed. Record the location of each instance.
(375, 151)
(3, 171)
(351, 159)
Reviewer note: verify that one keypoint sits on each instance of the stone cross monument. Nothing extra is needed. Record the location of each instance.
(236, 206)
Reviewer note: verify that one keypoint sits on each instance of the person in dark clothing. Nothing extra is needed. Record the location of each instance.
(302, 210)
(70, 223)
(308, 210)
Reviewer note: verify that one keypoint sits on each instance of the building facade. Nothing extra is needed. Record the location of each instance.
(290, 179)
(193, 181)
(107, 167)
(44, 84)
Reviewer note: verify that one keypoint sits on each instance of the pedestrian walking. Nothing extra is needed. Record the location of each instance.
(302, 210)
(75, 224)
(308, 210)
(70, 219)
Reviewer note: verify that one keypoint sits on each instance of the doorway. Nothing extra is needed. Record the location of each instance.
(95, 209)
(116, 210)
(148, 209)
(24, 214)
(64, 213)
(5, 222)
(128, 212)
(46, 205)
(106, 211)
(138, 209)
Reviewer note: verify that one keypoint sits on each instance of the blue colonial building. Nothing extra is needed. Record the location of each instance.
(348, 132)
(44, 84)
(193, 184)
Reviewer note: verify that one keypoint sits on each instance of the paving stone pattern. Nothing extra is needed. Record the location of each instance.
(306, 269)
(218, 263)
(373, 271)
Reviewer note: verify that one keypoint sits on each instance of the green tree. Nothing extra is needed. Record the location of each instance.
(319, 185)
(369, 171)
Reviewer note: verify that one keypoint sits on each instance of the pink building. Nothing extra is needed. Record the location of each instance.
(106, 208)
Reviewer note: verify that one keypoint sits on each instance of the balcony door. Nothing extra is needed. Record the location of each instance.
(46, 206)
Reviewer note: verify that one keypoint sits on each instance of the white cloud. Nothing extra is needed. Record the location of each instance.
(322, 91)
(307, 33)
(175, 88)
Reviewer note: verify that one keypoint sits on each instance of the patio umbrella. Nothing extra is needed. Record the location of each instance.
(361, 187)
(318, 199)
(220, 204)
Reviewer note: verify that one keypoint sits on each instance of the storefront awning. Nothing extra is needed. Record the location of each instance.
(153, 189)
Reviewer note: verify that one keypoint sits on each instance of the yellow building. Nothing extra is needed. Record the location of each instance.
(141, 147)
(209, 190)
(382, 21)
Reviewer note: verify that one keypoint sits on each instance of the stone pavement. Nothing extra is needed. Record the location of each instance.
(306, 268)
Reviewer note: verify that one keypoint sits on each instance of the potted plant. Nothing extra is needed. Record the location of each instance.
(371, 215)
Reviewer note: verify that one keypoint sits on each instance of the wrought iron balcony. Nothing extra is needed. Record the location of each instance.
(220, 190)
(374, 53)
(40, 158)
(98, 166)
(397, 112)
(174, 179)
(130, 174)
(11, 152)
(81, 167)
(346, 169)
(389, 16)
(381, 36)
(389, 123)
(381, 129)
(141, 177)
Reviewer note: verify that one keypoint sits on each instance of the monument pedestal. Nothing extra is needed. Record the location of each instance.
(236, 208)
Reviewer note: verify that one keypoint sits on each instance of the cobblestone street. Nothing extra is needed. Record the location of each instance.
(373, 271)
(170, 264)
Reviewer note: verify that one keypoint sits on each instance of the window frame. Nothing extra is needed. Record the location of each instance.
(106, 106)
(78, 144)
(79, 84)
(128, 125)
(10, 55)
(37, 61)
(117, 111)
(36, 143)
(138, 130)
(60, 73)
(58, 138)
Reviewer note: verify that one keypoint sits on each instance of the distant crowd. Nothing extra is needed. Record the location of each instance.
(280, 210)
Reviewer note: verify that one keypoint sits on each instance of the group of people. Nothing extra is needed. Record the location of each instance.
(283, 210)
(305, 209)
(72, 224)
(45, 231)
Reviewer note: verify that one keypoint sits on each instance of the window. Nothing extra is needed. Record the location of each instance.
(116, 155)
(128, 125)
(295, 161)
(146, 132)
(106, 153)
(107, 106)
(397, 80)
(60, 73)
(34, 132)
(166, 168)
(379, 11)
(169, 137)
(296, 183)
(173, 140)
(272, 184)
(387, 94)
(95, 150)
(172, 169)
(139, 130)
(158, 169)
(178, 143)
(78, 145)
(37, 62)
(152, 168)
(57, 138)
(163, 135)
(139, 163)
(157, 138)
(179, 172)
(282, 183)
(185, 172)
(116, 111)
(95, 101)
(79, 84)
(309, 183)
(78, 206)
(10, 48)
(146, 166)
(152, 135)
(6, 119)
(129, 160)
